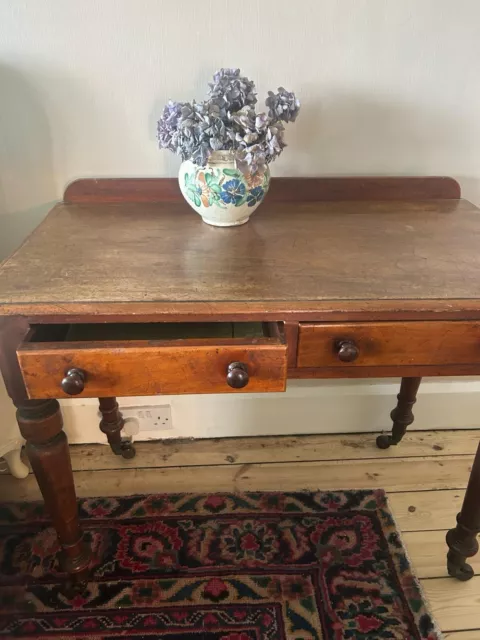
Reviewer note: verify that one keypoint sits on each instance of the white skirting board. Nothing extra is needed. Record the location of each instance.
(308, 406)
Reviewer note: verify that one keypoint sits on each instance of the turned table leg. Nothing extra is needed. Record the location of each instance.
(111, 425)
(462, 541)
(402, 415)
(41, 425)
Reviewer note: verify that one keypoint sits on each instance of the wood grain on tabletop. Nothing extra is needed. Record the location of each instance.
(289, 252)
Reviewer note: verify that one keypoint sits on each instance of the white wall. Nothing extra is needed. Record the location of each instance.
(308, 406)
(387, 87)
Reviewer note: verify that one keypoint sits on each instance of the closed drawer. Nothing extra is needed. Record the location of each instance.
(119, 360)
(371, 344)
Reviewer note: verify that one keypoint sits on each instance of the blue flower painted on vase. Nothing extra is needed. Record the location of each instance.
(233, 192)
(255, 195)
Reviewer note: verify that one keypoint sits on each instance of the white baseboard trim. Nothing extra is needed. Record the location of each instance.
(308, 406)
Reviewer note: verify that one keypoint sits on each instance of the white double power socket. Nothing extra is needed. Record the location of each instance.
(149, 422)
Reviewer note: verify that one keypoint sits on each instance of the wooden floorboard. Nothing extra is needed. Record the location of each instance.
(427, 552)
(455, 605)
(395, 474)
(174, 453)
(425, 478)
(426, 510)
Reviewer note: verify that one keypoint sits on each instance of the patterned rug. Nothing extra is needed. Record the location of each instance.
(251, 566)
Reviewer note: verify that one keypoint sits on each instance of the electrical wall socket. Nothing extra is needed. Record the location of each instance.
(146, 419)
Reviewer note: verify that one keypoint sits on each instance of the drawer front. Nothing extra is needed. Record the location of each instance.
(371, 344)
(134, 368)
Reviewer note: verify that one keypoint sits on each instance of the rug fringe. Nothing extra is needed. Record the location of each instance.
(416, 580)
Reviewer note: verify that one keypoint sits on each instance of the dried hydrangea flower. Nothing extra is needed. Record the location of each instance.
(227, 121)
(283, 105)
(274, 141)
(250, 125)
(167, 127)
(232, 90)
(251, 160)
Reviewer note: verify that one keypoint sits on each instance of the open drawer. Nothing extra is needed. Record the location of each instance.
(101, 360)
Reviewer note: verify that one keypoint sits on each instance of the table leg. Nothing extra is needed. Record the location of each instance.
(402, 415)
(462, 541)
(41, 425)
(111, 425)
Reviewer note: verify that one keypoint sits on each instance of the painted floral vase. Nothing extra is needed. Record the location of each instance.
(220, 192)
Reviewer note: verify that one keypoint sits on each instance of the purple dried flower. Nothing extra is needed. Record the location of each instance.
(231, 90)
(167, 127)
(250, 127)
(283, 105)
(274, 141)
(251, 159)
(227, 120)
(262, 120)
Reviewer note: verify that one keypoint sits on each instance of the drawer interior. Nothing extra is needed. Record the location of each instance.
(154, 331)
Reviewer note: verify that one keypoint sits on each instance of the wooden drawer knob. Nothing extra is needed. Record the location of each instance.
(73, 382)
(237, 375)
(347, 350)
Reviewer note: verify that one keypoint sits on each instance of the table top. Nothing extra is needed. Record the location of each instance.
(290, 253)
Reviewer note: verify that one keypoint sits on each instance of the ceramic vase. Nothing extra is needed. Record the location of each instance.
(219, 192)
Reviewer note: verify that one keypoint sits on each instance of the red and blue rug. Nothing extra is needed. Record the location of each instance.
(251, 566)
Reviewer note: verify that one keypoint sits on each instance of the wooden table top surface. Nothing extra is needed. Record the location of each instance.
(291, 253)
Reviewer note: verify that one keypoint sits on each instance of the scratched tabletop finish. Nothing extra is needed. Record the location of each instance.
(287, 252)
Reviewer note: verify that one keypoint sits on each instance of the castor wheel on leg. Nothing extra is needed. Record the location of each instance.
(462, 541)
(111, 425)
(458, 567)
(127, 450)
(402, 415)
(384, 441)
(124, 448)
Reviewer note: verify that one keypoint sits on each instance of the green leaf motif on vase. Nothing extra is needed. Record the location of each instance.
(207, 191)
(193, 195)
(233, 173)
(266, 181)
(243, 200)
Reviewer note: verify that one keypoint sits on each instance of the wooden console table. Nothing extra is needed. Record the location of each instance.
(122, 290)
